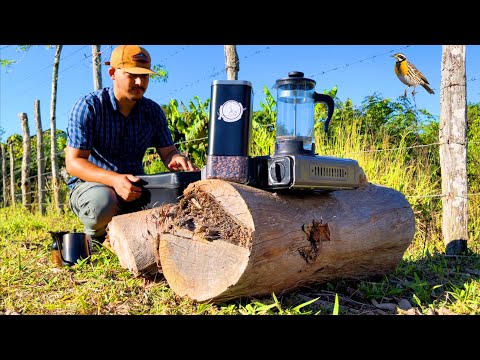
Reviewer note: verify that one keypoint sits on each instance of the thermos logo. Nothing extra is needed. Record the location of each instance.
(230, 111)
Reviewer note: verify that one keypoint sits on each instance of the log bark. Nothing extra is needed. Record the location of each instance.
(225, 240)
(230, 240)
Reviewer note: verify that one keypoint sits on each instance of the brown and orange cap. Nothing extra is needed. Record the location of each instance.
(132, 59)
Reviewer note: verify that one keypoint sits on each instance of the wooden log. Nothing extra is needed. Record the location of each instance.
(134, 238)
(229, 240)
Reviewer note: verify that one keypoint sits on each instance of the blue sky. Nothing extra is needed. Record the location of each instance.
(357, 70)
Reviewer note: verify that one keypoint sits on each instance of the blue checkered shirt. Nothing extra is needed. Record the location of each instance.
(116, 143)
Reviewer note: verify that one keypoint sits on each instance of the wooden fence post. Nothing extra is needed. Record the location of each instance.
(97, 67)
(453, 149)
(40, 159)
(26, 157)
(4, 175)
(12, 173)
(231, 62)
(53, 132)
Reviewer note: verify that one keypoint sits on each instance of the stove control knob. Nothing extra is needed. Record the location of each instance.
(279, 171)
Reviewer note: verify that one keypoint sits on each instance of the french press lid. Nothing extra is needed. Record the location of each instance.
(295, 78)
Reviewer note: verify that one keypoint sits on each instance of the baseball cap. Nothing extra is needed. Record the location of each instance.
(133, 59)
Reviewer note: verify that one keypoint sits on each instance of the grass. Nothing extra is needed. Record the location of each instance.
(426, 281)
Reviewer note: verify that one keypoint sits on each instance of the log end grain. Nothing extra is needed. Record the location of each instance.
(198, 268)
(135, 237)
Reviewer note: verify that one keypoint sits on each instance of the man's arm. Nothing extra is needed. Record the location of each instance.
(174, 160)
(78, 165)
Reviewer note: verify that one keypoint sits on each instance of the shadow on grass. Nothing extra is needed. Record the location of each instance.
(436, 284)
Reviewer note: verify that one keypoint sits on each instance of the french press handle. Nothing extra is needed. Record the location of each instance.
(327, 100)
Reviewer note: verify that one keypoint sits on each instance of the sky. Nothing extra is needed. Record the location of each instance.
(358, 71)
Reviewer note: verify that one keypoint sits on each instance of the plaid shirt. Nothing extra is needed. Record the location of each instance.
(116, 143)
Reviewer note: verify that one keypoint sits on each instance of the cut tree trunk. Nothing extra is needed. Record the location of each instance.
(225, 240)
(134, 239)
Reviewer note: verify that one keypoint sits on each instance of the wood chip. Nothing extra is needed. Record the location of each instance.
(196, 203)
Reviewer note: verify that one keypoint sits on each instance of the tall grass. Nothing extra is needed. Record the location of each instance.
(393, 164)
(430, 281)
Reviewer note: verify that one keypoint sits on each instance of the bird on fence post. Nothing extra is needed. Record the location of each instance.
(410, 75)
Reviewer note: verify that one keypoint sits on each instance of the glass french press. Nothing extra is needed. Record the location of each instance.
(296, 99)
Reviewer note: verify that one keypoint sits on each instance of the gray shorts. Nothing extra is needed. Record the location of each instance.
(96, 204)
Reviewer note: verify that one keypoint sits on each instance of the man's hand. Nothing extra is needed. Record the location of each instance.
(122, 183)
(174, 160)
(78, 165)
(180, 162)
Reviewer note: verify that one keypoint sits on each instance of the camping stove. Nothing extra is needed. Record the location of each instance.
(304, 172)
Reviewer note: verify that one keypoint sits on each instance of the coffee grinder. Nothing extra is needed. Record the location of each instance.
(294, 164)
(229, 131)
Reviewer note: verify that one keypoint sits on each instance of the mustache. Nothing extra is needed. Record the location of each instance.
(138, 87)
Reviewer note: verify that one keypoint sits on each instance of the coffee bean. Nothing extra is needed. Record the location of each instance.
(229, 168)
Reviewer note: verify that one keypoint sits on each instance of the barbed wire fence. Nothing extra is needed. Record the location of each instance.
(64, 175)
(6, 188)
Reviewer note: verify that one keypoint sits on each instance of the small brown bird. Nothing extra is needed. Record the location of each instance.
(410, 75)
